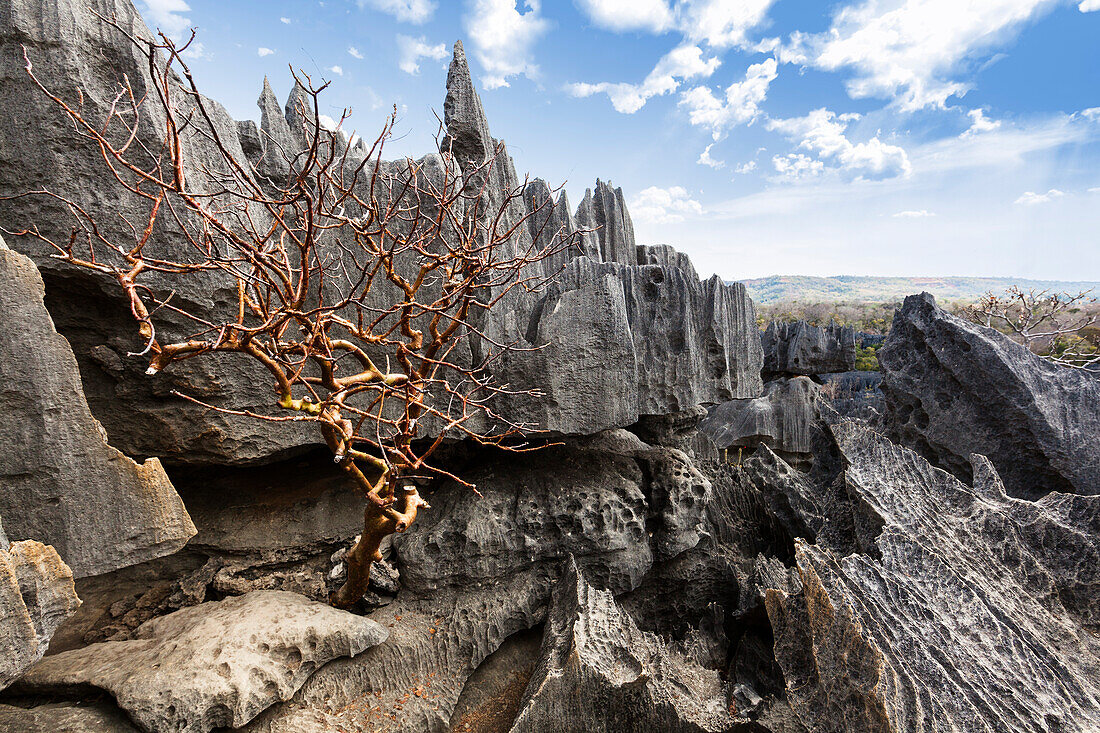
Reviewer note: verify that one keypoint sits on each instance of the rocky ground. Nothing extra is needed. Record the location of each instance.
(733, 533)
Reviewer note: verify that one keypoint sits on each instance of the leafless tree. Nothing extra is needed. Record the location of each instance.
(1047, 323)
(359, 287)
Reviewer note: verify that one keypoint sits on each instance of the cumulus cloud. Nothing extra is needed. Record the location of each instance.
(741, 104)
(745, 167)
(338, 70)
(913, 214)
(796, 166)
(822, 132)
(664, 205)
(705, 159)
(406, 11)
(979, 123)
(1088, 6)
(168, 15)
(503, 38)
(629, 15)
(285, 20)
(411, 50)
(716, 23)
(355, 52)
(911, 52)
(261, 51)
(679, 64)
(1030, 198)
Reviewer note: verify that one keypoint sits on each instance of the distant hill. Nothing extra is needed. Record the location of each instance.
(860, 289)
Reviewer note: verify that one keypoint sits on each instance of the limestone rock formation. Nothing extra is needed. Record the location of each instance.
(476, 570)
(215, 665)
(953, 388)
(36, 596)
(799, 348)
(605, 212)
(598, 672)
(651, 338)
(856, 395)
(59, 480)
(965, 591)
(781, 419)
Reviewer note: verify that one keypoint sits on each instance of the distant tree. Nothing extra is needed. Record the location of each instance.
(360, 291)
(1056, 326)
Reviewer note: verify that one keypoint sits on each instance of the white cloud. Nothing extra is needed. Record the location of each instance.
(705, 159)
(664, 205)
(1088, 6)
(264, 51)
(796, 166)
(911, 51)
(629, 15)
(167, 15)
(355, 52)
(285, 20)
(979, 123)
(1030, 198)
(822, 132)
(745, 167)
(913, 214)
(721, 23)
(410, 50)
(406, 11)
(1095, 190)
(682, 63)
(741, 105)
(338, 70)
(502, 38)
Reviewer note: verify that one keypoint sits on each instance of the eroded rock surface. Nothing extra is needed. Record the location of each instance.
(60, 482)
(64, 717)
(953, 388)
(966, 592)
(36, 596)
(781, 419)
(218, 664)
(799, 348)
(598, 672)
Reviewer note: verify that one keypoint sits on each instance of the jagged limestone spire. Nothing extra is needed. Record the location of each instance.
(467, 129)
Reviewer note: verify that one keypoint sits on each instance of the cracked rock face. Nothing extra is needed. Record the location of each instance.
(953, 388)
(60, 482)
(213, 665)
(799, 348)
(36, 596)
(987, 600)
(598, 672)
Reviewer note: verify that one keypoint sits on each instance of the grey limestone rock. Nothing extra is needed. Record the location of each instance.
(799, 348)
(218, 664)
(782, 419)
(36, 596)
(60, 482)
(605, 211)
(988, 600)
(598, 672)
(953, 388)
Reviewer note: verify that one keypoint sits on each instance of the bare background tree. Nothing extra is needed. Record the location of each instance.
(1056, 326)
(362, 288)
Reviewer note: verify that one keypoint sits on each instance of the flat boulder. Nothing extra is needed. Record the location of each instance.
(218, 664)
(953, 388)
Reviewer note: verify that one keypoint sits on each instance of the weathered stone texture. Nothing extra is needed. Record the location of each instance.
(799, 348)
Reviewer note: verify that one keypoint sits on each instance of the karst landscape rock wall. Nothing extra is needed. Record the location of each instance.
(830, 575)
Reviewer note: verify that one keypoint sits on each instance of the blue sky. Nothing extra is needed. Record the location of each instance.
(864, 137)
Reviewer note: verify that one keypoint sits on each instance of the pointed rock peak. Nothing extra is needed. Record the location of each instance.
(267, 97)
(467, 129)
(297, 101)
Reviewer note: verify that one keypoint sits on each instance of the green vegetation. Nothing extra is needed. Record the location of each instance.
(865, 317)
(858, 289)
(867, 359)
